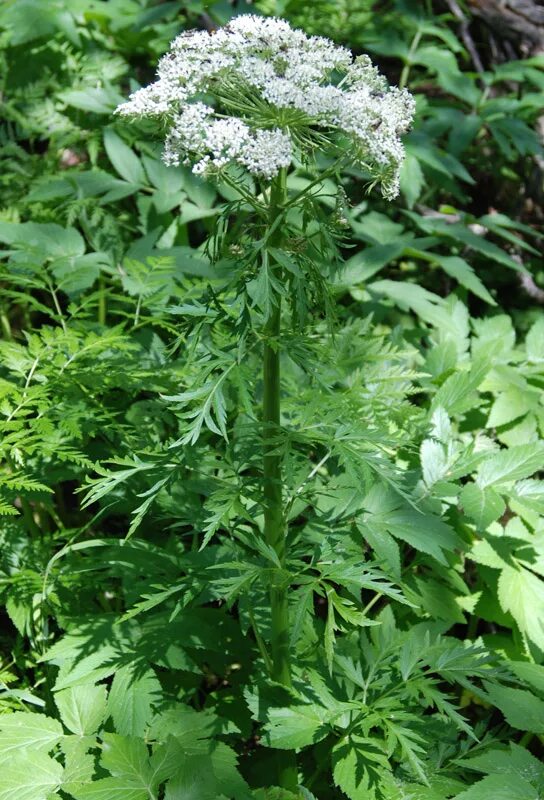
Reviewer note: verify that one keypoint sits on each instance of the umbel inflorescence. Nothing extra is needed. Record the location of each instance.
(258, 94)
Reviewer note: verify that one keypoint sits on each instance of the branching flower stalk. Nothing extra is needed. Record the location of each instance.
(242, 105)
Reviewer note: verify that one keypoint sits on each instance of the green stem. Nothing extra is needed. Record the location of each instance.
(6, 327)
(275, 527)
(405, 74)
(260, 643)
(28, 516)
(101, 300)
(320, 179)
(57, 306)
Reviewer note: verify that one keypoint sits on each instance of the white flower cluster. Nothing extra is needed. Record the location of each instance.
(264, 82)
(216, 142)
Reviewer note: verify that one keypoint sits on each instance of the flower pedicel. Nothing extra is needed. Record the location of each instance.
(259, 94)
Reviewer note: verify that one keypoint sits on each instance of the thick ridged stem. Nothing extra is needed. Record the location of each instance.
(275, 527)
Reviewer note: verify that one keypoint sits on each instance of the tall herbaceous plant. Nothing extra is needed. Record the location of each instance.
(244, 106)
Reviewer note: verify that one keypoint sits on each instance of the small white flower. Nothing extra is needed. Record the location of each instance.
(264, 83)
(266, 153)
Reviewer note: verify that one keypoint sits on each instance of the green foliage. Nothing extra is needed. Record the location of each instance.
(135, 644)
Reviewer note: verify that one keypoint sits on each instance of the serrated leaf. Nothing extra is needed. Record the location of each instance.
(483, 552)
(438, 600)
(529, 493)
(534, 342)
(510, 405)
(385, 547)
(26, 730)
(532, 674)
(46, 240)
(461, 270)
(499, 787)
(483, 506)
(78, 763)
(208, 776)
(434, 461)
(509, 761)
(521, 709)
(34, 776)
(424, 532)
(133, 696)
(127, 757)
(109, 789)
(165, 761)
(359, 766)
(456, 393)
(277, 793)
(520, 461)
(521, 593)
(297, 726)
(264, 289)
(82, 708)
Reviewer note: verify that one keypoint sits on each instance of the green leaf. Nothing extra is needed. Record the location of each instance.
(500, 787)
(29, 19)
(533, 674)
(165, 761)
(95, 99)
(434, 461)
(127, 757)
(510, 405)
(277, 793)
(520, 461)
(166, 179)
(459, 269)
(456, 394)
(79, 764)
(367, 262)
(483, 506)
(377, 228)
(530, 494)
(26, 730)
(425, 304)
(45, 240)
(125, 161)
(521, 709)
(511, 761)
(435, 598)
(109, 789)
(535, 342)
(133, 696)
(208, 776)
(297, 726)
(521, 593)
(32, 776)
(462, 233)
(359, 765)
(265, 290)
(412, 179)
(424, 532)
(82, 708)
(385, 548)
(427, 153)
